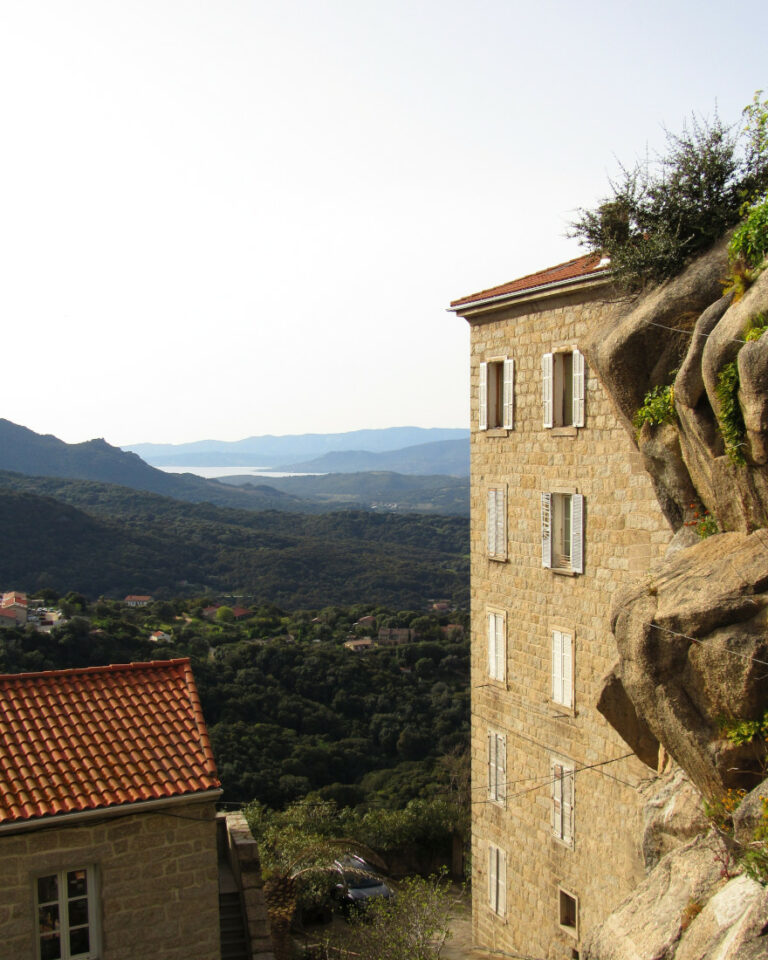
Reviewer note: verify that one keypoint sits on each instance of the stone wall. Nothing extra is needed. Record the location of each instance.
(624, 533)
(156, 876)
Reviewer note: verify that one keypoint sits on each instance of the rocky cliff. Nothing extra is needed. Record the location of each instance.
(693, 638)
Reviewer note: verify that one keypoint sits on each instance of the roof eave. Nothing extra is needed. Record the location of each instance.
(487, 304)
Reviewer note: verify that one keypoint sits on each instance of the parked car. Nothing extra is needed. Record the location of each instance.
(359, 883)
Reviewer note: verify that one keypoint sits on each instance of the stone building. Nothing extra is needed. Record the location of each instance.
(107, 819)
(563, 514)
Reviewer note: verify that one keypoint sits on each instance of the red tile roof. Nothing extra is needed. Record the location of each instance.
(73, 740)
(592, 263)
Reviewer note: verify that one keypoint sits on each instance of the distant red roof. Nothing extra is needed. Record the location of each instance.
(592, 263)
(73, 740)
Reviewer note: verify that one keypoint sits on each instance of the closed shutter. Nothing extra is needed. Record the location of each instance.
(508, 420)
(492, 645)
(491, 523)
(483, 406)
(577, 533)
(578, 389)
(546, 388)
(567, 669)
(501, 905)
(497, 628)
(501, 522)
(492, 876)
(557, 666)
(546, 529)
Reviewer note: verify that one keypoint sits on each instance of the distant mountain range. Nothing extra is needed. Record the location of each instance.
(267, 451)
(448, 457)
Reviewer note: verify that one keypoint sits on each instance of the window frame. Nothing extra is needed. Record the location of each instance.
(562, 646)
(496, 630)
(497, 880)
(554, 384)
(563, 800)
(62, 905)
(497, 767)
(552, 513)
(496, 406)
(563, 896)
(496, 537)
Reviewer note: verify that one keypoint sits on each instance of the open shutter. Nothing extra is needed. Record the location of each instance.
(491, 523)
(491, 769)
(501, 906)
(557, 666)
(577, 533)
(578, 389)
(501, 522)
(566, 641)
(567, 795)
(492, 876)
(557, 799)
(508, 420)
(501, 767)
(546, 529)
(501, 646)
(492, 645)
(546, 388)
(483, 407)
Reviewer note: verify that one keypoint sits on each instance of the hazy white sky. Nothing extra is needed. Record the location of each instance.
(221, 218)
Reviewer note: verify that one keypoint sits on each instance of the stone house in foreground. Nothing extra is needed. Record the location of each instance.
(107, 819)
(562, 514)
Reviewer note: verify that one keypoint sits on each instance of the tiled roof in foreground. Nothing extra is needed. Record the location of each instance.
(581, 267)
(76, 740)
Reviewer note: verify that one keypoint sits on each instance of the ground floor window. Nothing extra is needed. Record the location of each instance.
(66, 911)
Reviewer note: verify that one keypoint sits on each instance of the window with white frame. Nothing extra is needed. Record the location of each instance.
(562, 389)
(562, 538)
(497, 394)
(497, 879)
(562, 668)
(497, 645)
(496, 523)
(562, 801)
(497, 767)
(66, 915)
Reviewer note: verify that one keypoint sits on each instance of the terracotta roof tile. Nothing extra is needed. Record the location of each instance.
(571, 270)
(84, 739)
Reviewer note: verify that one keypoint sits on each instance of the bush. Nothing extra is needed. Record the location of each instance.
(731, 418)
(658, 407)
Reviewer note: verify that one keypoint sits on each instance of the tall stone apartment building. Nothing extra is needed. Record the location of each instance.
(563, 514)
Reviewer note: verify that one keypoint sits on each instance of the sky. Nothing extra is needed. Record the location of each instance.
(228, 218)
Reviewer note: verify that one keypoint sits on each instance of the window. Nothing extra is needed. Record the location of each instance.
(496, 523)
(497, 645)
(562, 385)
(562, 801)
(66, 912)
(497, 405)
(497, 879)
(497, 767)
(568, 911)
(562, 668)
(562, 531)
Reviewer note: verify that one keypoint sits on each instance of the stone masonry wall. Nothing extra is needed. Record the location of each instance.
(624, 532)
(156, 874)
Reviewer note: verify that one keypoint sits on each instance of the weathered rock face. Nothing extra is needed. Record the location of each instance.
(673, 815)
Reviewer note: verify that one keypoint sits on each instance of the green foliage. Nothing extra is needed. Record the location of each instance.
(730, 416)
(757, 327)
(658, 407)
(745, 731)
(755, 857)
(706, 526)
(663, 212)
(750, 239)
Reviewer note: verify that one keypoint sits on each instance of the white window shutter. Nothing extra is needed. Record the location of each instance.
(492, 888)
(546, 529)
(566, 640)
(509, 394)
(557, 666)
(501, 522)
(483, 407)
(577, 533)
(501, 790)
(501, 646)
(567, 795)
(490, 766)
(557, 799)
(492, 645)
(546, 388)
(491, 523)
(501, 907)
(578, 389)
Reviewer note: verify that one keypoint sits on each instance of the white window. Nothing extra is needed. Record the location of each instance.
(562, 522)
(562, 389)
(497, 394)
(66, 915)
(568, 912)
(496, 523)
(497, 767)
(562, 668)
(497, 879)
(562, 801)
(497, 645)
